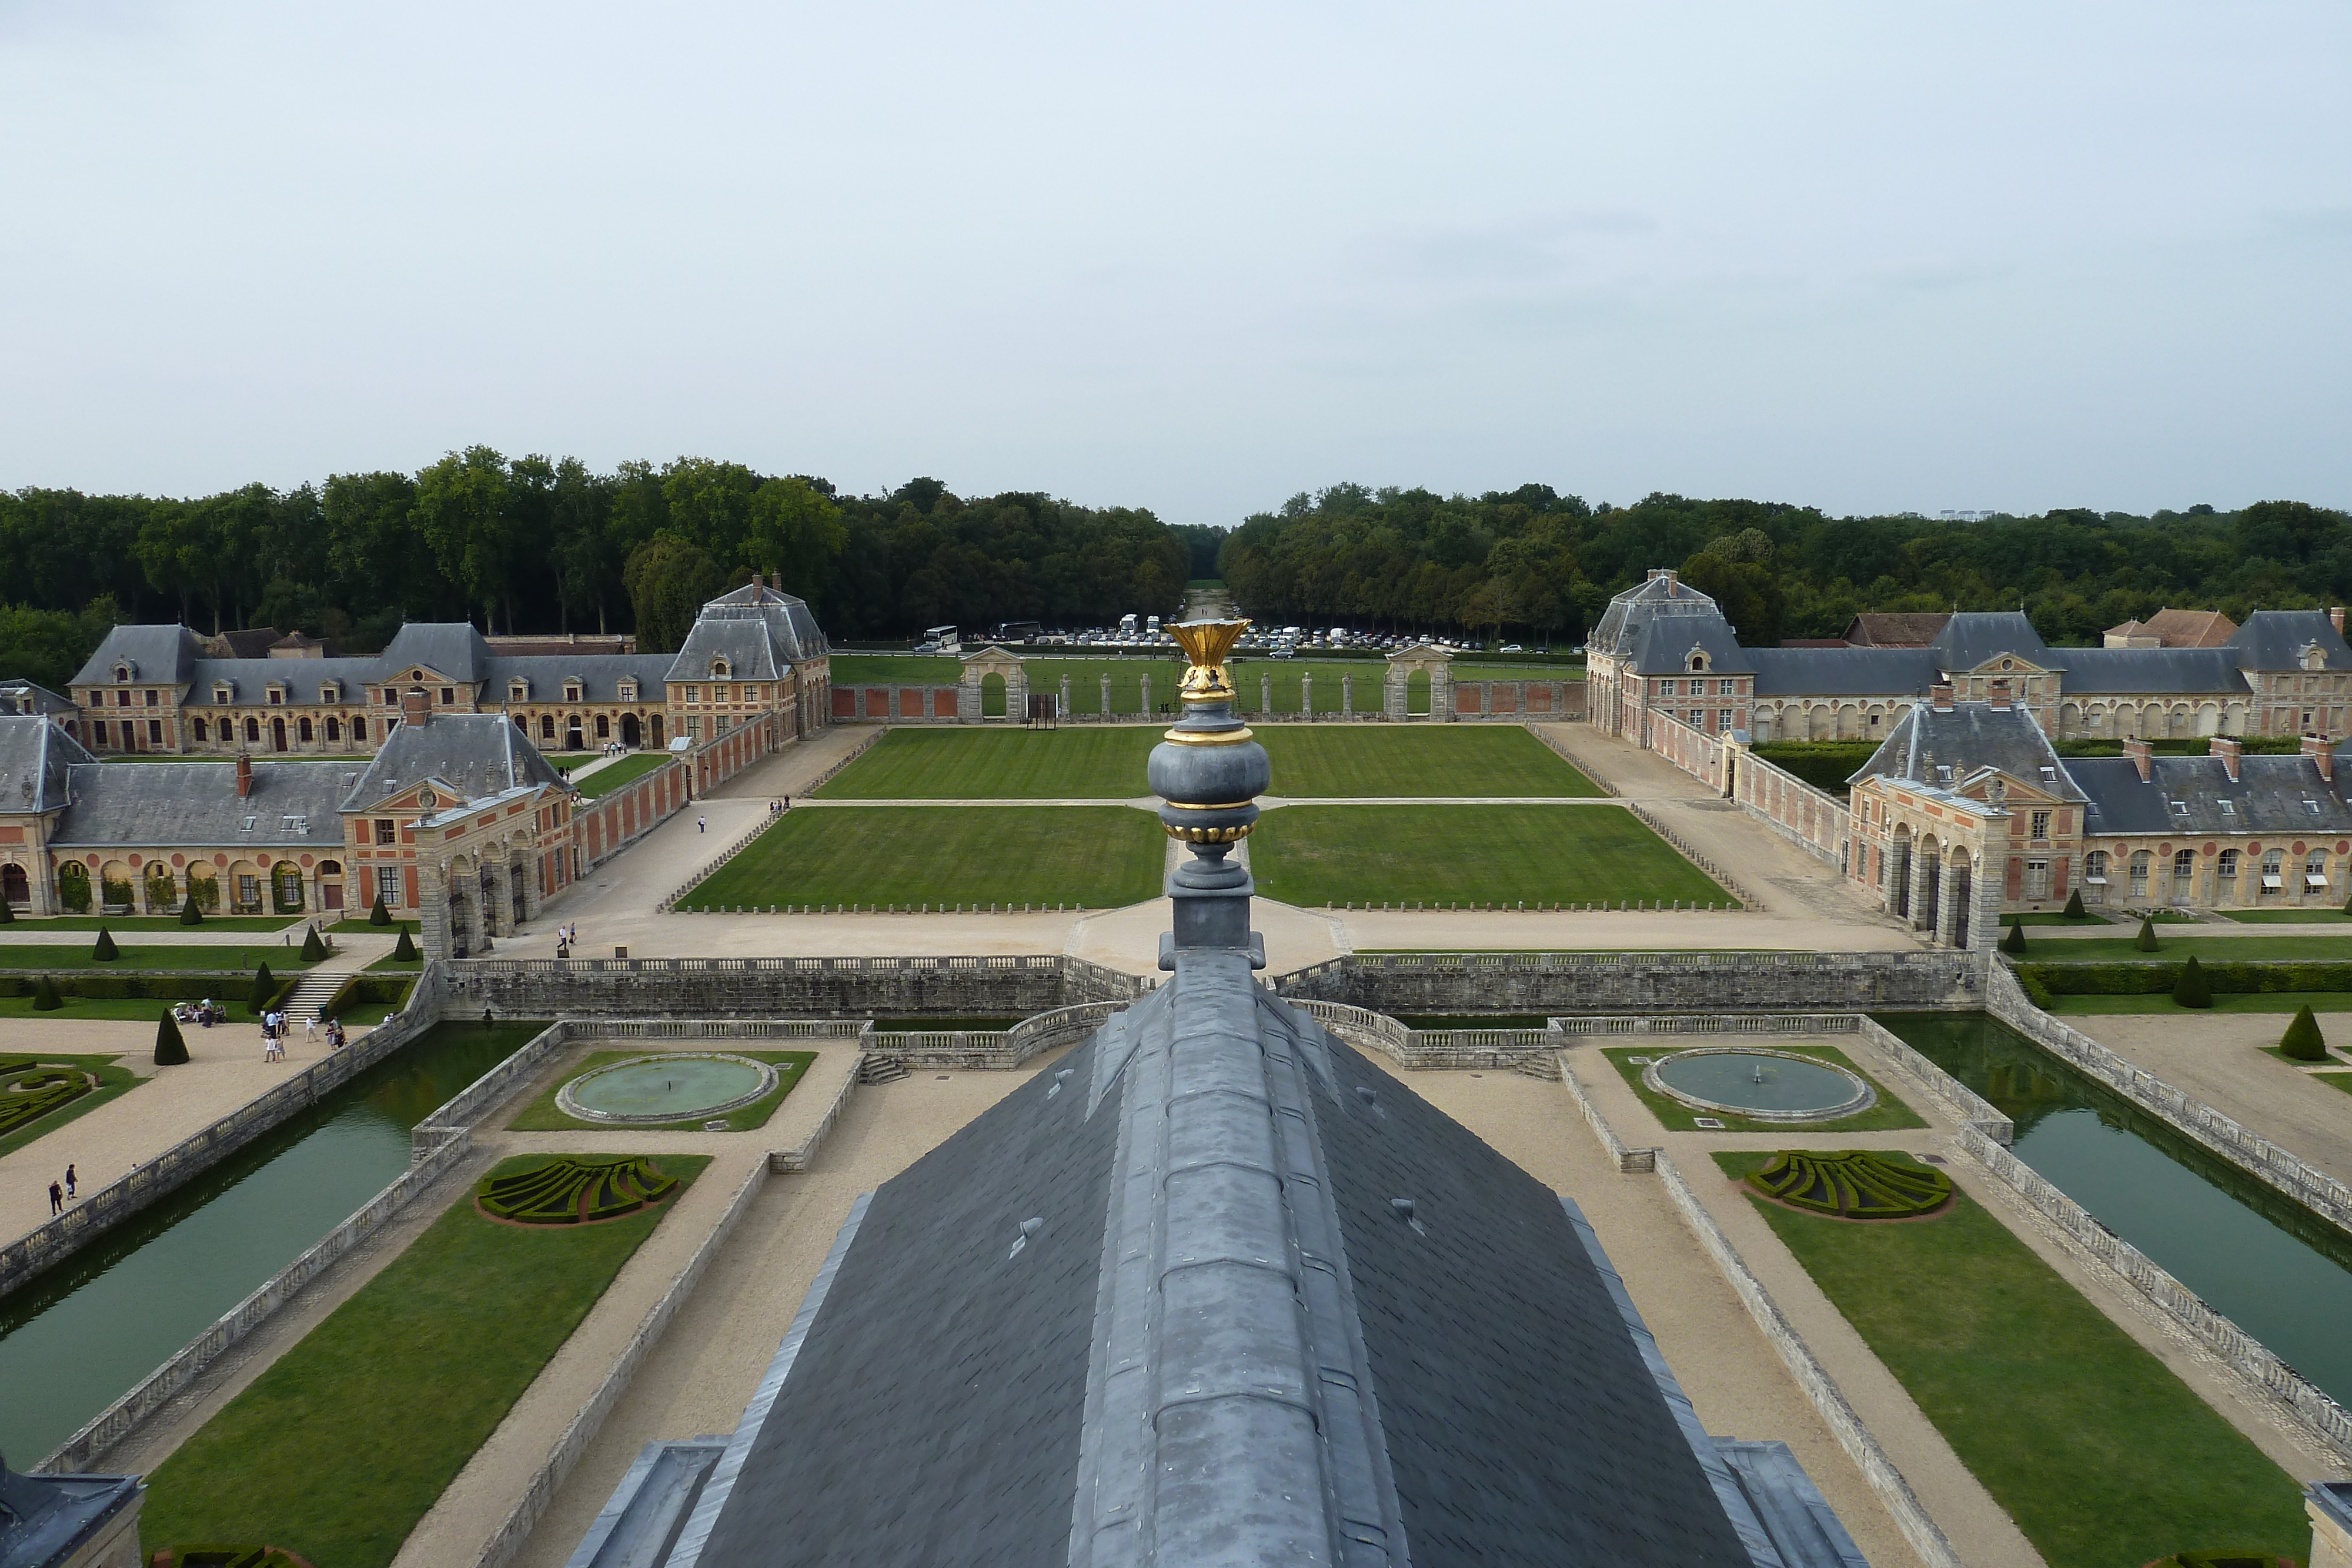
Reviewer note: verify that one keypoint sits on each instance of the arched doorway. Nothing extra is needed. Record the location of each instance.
(330, 886)
(1933, 893)
(1898, 873)
(15, 887)
(629, 732)
(992, 696)
(1416, 695)
(571, 741)
(656, 721)
(285, 887)
(276, 735)
(1963, 879)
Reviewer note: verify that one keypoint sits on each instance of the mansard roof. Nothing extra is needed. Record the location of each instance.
(1968, 639)
(248, 680)
(34, 755)
(158, 655)
(2275, 639)
(1967, 737)
(154, 805)
(1218, 1284)
(761, 634)
(1663, 595)
(2272, 794)
(1663, 644)
(450, 648)
(482, 754)
(600, 675)
(21, 697)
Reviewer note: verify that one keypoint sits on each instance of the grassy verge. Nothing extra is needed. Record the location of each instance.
(2053, 917)
(1099, 857)
(2274, 1053)
(2103, 1458)
(2233, 1002)
(47, 958)
(792, 1066)
(1889, 1115)
(2287, 916)
(118, 924)
(1442, 760)
(1312, 855)
(607, 780)
(2246, 949)
(398, 966)
(114, 1082)
(396, 1388)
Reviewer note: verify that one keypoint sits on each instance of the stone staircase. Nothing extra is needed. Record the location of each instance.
(876, 1068)
(319, 987)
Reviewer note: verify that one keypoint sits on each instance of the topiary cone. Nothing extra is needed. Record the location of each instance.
(2303, 1041)
(264, 986)
(45, 996)
(2075, 910)
(314, 949)
(171, 1050)
(103, 949)
(378, 915)
(2013, 940)
(406, 950)
(7, 915)
(189, 914)
(2191, 990)
(2145, 940)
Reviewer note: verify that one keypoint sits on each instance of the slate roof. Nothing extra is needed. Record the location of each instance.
(1968, 639)
(1629, 611)
(451, 648)
(761, 634)
(249, 680)
(159, 655)
(46, 1520)
(1967, 737)
(1664, 643)
(600, 675)
(2273, 794)
(1216, 1283)
(22, 696)
(2212, 670)
(1843, 672)
(2275, 640)
(251, 642)
(1895, 628)
(136, 805)
(482, 754)
(34, 758)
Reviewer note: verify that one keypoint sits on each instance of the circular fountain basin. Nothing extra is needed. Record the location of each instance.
(673, 1086)
(1763, 1085)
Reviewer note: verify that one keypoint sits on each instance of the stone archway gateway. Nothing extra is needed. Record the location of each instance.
(978, 666)
(1421, 659)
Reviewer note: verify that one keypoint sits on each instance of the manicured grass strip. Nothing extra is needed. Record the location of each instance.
(396, 1388)
(612, 775)
(894, 669)
(399, 966)
(2103, 1458)
(792, 1066)
(118, 923)
(2287, 916)
(113, 1082)
(1104, 762)
(41, 957)
(2223, 1002)
(2173, 949)
(2334, 1055)
(2051, 918)
(1312, 855)
(2333, 1080)
(1438, 759)
(1099, 857)
(1889, 1115)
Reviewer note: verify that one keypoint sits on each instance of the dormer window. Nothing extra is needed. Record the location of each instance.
(571, 691)
(628, 691)
(330, 693)
(517, 691)
(222, 696)
(2315, 657)
(277, 697)
(718, 669)
(122, 672)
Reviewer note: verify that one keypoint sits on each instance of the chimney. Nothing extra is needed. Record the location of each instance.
(2336, 618)
(2142, 756)
(2322, 754)
(244, 776)
(1939, 696)
(415, 706)
(2231, 750)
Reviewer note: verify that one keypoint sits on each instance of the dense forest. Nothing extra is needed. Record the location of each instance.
(531, 544)
(1531, 561)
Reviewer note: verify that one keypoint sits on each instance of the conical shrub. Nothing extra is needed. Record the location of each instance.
(2013, 940)
(45, 996)
(379, 915)
(2145, 940)
(265, 987)
(2303, 1041)
(313, 947)
(7, 915)
(103, 949)
(171, 1050)
(2075, 910)
(189, 914)
(2190, 991)
(404, 950)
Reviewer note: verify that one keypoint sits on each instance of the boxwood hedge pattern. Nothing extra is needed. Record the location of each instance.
(212, 1556)
(29, 1090)
(1852, 1184)
(573, 1191)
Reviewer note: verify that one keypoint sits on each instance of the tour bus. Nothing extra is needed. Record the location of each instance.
(1151, 627)
(1126, 625)
(939, 639)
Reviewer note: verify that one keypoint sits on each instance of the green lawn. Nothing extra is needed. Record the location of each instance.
(894, 669)
(396, 1388)
(2234, 1002)
(226, 959)
(117, 1010)
(121, 923)
(1889, 1115)
(2313, 917)
(113, 1081)
(2053, 917)
(2333, 1080)
(399, 966)
(1110, 763)
(1314, 855)
(1095, 857)
(2103, 1458)
(612, 775)
(792, 1066)
(2243, 949)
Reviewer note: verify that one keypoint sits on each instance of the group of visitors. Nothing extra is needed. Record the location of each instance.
(777, 808)
(60, 1195)
(273, 1036)
(565, 937)
(203, 1014)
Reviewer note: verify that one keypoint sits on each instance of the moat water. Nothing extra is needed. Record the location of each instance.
(81, 1337)
(2271, 1265)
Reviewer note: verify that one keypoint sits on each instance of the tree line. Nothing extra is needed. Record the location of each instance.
(1534, 562)
(533, 544)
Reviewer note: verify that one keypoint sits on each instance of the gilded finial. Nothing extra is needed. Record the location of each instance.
(1206, 643)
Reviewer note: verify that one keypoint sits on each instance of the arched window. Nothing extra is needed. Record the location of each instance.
(200, 730)
(305, 730)
(359, 729)
(718, 669)
(2140, 862)
(253, 730)
(547, 727)
(334, 729)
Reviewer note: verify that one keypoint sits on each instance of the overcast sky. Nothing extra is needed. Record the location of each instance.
(1197, 257)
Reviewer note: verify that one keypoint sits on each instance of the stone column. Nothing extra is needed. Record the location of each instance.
(1441, 695)
(1307, 696)
(1106, 696)
(432, 913)
(497, 901)
(968, 704)
(1393, 696)
(1146, 693)
(1984, 919)
(1066, 697)
(533, 860)
(1016, 697)
(1348, 695)
(1265, 695)
(1917, 901)
(1947, 901)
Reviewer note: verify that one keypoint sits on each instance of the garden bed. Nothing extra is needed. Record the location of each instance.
(1890, 1114)
(541, 1115)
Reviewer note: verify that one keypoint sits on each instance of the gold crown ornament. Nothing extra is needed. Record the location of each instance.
(1206, 643)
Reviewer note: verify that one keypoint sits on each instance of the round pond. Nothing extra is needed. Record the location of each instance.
(668, 1087)
(1767, 1085)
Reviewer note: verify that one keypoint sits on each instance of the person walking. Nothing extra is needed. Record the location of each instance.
(69, 1182)
(701, 824)
(57, 1199)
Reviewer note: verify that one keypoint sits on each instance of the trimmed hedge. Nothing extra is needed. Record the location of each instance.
(2303, 1041)
(2224, 977)
(573, 1191)
(2190, 991)
(29, 1090)
(187, 985)
(171, 1050)
(1853, 1184)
